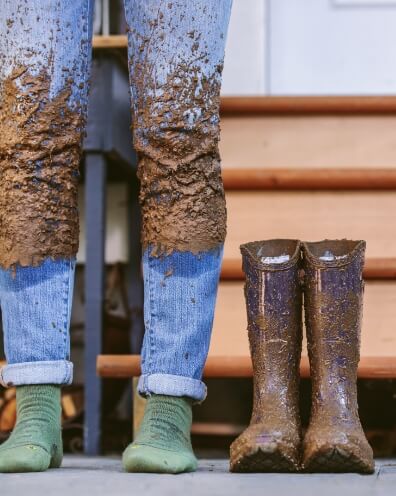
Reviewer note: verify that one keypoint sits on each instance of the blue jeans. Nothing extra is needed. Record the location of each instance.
(180, 285)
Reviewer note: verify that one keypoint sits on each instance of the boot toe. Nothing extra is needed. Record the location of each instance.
(264, 453)
(343, 453)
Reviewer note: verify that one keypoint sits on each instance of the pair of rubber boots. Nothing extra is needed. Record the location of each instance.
(328, 274)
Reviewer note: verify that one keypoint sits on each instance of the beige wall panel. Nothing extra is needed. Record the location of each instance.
(309, 141)
(379, 321)
(313, 216)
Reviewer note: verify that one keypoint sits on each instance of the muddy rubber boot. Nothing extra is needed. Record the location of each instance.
(272, 442)
(335, 441)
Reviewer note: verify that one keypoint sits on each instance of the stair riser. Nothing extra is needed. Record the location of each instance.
(312, 216)
(379, 321)
(308, 141)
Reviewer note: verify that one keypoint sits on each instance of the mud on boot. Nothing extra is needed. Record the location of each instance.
(335, 441)
(272, 442)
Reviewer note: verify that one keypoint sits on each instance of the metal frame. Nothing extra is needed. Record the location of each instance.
(107, 147)
(95, 188)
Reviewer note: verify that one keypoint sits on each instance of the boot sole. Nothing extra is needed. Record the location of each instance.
(261, 461)
(337, 460)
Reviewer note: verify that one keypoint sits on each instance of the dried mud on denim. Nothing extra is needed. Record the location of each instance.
(40, 151)
(176, 134)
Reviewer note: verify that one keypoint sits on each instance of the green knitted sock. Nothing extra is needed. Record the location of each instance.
(163, 444)
(36, 442)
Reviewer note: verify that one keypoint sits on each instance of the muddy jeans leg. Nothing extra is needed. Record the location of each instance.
(45, 50)
(176, 51)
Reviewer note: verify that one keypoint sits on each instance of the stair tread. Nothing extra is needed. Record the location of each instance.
(301, 142)
(119, 366)
(242, 179)
(378, 338)
(374, 268)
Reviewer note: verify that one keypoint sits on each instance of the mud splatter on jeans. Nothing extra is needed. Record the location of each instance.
(45, 58)
(39, 160)
(175, 68)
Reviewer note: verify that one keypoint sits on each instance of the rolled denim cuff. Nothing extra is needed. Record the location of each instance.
(48, 372)
(172, 385)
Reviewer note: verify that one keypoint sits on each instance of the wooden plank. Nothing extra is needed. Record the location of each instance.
(69, 408)
(117, 366)
(301, 105)
(374, 269)
(216, 429)
(229, 337)
(380, 268)
(139, 405)
(309, 179)
(112, 41)
(8, 415)
(301, 142)
(311, 215)
(9, 393)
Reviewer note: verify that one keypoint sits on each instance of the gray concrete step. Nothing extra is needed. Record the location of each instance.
(104, 476)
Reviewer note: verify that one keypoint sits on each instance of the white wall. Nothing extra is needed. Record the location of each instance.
(311, 47)
(332, 47)
(245, 59)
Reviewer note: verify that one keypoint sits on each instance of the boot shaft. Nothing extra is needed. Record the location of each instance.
(274, 310)
(333, 299)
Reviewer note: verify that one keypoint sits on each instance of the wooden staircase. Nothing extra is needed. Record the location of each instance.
(308, 168)
(122, 366)
(354, 198)
(330, 174)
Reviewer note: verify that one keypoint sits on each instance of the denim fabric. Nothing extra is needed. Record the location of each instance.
(36, 308)
(49, 35)
(180, 289)
(53, 37)
(180, 37)
(183, 37)
(179, 300)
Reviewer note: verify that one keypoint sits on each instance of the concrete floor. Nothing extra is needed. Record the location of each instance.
(104, 476)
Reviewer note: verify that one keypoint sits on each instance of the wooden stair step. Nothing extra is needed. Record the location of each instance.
(378, 326)
(121, 366)
(308, 105)
(374, 269)
(110, 41)
(312, 215)
(309, 179)
(308, 142)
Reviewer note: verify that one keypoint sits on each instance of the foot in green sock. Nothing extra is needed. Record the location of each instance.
(35, 443)
(163, 444)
